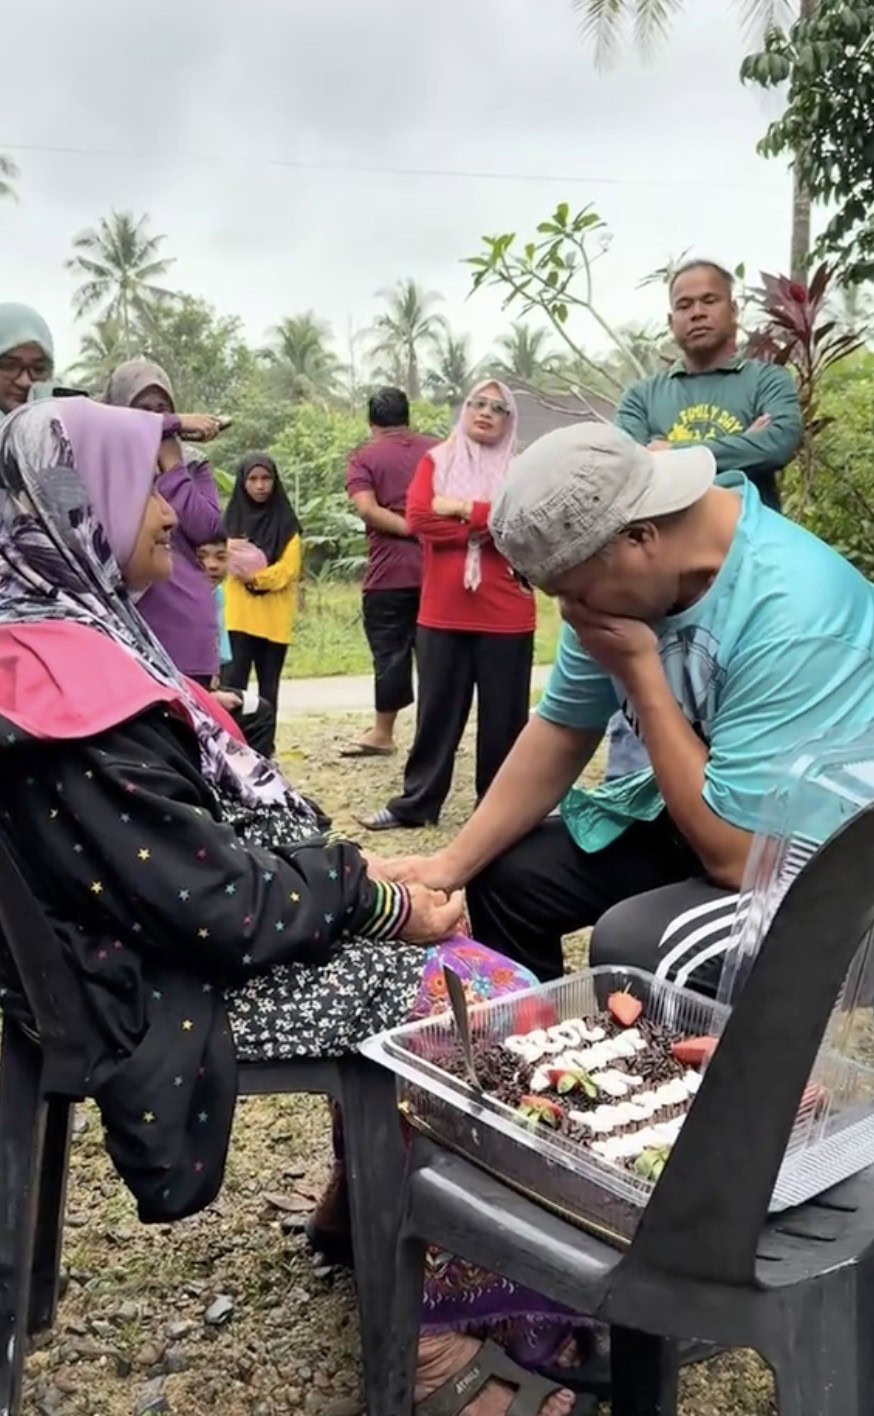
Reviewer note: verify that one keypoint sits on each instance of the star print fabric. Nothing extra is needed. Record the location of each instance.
(199, 930)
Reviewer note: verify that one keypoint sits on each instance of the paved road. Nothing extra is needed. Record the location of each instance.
(343, 695)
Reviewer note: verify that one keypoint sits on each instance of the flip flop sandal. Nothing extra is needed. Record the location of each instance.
(491, 1363)
(590, 1374)
(364, 749)
(335, 1249)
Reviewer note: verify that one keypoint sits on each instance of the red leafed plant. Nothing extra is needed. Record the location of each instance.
(799, 332)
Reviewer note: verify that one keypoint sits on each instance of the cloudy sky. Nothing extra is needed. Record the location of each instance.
(304, 153)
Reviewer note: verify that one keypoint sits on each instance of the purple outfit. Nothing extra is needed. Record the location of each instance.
(181, 611)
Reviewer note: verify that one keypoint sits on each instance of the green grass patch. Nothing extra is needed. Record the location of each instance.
(329, 636)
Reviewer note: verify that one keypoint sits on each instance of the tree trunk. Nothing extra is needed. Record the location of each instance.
(800, 195)
(414, 390)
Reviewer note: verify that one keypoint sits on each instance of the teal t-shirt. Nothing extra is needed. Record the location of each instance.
(225, 655)
(778, 651)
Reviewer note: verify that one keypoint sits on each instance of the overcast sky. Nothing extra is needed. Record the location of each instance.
(197, 112)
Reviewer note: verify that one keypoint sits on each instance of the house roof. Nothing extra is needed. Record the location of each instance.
(541, 413)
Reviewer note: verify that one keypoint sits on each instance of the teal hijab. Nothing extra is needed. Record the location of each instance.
(19, 324)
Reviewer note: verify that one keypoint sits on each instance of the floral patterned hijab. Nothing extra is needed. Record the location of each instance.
(75, 478)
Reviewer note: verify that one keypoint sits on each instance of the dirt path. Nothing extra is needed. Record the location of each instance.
(344, 694)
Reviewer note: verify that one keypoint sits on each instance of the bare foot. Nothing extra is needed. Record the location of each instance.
(377, 740)
(441, 1357)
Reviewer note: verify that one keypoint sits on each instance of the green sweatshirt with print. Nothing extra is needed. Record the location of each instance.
(718, 407)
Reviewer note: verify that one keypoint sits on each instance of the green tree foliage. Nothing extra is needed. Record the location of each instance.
(552, 274)
(827, 58)
(840, 502)
(9, 175)
(118, 263)
(608, 21)
(203, 352)
(406, 334)
(102, 349)
(452, 373)
(304, 366)
(525, 353)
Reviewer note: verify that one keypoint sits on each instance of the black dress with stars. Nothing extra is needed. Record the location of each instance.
(199, 932)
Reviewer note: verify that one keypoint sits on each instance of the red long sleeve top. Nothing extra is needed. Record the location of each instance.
(501, 605)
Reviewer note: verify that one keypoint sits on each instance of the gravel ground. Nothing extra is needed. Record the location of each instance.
(227, 1312)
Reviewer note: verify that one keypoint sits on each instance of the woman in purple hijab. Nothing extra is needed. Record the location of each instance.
(181, 612)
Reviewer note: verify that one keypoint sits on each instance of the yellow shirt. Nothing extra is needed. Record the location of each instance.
(271, 615)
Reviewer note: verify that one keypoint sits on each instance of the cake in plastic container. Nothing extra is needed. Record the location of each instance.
(585, 1085)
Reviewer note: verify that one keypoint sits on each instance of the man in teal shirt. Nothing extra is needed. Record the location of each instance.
(729, 636)
(746, 411)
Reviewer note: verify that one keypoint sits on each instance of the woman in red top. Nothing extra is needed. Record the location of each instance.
(476, 620)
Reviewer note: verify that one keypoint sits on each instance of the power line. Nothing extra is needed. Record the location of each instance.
(305, 165)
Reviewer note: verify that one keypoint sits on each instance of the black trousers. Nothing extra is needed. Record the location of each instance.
(267, 659)
(390, 625)
(646, 894)
(451, 665)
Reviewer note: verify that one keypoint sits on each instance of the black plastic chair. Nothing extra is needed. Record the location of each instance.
(42, 1074)
(706, 1263)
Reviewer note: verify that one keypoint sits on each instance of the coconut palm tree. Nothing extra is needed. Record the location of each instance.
(101, 350)
(605, 22)
(407, 331)
(8, 177)
(306, 370)
(524, 353)
(452, 373)
(118, 262)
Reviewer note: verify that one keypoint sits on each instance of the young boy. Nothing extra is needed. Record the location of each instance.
(244, 705)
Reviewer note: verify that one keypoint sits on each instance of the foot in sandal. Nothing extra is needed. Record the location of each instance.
(458, 1376)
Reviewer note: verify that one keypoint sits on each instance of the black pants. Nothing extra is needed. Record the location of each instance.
(646, 893)
(267, 659)
(451, 665)
(390, 625)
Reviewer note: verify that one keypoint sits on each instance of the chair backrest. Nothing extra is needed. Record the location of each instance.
(49, 985)
(705, 1217)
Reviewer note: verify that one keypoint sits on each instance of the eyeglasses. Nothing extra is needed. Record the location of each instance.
(37, 370)
(481, 405)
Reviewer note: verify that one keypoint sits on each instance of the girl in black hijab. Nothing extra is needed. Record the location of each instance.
(261, 593)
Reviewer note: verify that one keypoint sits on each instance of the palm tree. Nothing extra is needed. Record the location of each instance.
(605, 21)
(524, 354)
(406, 331)
(119, 262)
(306, 369)
(101, 351)
(453, 373)
(8, 177)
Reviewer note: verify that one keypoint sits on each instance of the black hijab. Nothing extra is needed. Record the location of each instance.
(268, 525)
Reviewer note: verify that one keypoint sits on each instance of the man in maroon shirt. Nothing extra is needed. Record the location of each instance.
(377, 480)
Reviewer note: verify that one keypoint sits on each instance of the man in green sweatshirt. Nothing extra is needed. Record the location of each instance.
(746, 411)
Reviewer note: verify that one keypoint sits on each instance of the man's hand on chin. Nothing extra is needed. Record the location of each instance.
(621, 646)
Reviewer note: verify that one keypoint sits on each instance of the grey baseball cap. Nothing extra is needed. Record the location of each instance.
(571, 491)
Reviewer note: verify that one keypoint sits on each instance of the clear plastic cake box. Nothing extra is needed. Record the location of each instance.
(596, 1194)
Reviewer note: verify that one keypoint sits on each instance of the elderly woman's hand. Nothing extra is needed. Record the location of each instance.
(435, 915)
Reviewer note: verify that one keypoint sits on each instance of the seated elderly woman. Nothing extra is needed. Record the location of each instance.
(199, 910)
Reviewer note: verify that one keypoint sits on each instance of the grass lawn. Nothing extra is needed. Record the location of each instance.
(329, 638)
(136, 1297)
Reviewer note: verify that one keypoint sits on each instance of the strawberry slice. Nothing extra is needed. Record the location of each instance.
(694, 1051)
(624, 1008)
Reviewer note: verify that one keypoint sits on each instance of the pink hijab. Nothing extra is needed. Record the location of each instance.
(474, 471)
